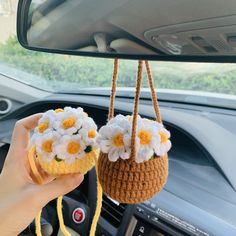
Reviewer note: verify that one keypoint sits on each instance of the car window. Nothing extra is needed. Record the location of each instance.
(70, 73)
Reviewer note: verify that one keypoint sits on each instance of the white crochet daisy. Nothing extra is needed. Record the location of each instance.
(117, 120)
(78, 110)
(151, 138)
(46, 122)
(165, 144)
(115, 141)
(45, 143)
(70, 121)
(88, 132)
(125, 122)
(148, 139)
(68, 148)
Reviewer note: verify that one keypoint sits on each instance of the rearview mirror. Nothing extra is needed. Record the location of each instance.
(131, 29)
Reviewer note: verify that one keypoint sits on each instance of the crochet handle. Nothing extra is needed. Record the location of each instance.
(151, 85)
(136, 100)
(135, 110)
(39, 180)
(153, 93)
(113, 89)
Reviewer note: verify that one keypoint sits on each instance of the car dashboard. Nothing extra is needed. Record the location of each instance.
(199, 197)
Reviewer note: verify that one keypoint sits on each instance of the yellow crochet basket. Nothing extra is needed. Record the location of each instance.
(55, 168)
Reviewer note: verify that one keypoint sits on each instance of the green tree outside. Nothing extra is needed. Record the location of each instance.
(65, 72)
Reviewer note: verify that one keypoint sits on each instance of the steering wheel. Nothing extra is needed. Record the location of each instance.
(78, 210)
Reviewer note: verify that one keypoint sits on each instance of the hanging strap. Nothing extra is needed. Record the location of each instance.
(113, 89)
(136, 100)
(136, 103)
(39, 180)
(135, 110)
(38, 224)
(98, 203)
(153, 93)
(60, 217)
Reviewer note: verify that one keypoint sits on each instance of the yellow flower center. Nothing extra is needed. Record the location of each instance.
(92, 133)
(118, 140)
(47, 146)
(73, 147)
(68, 123)
(42, 127)
(164, 137)
(59, 110)
(145, 137)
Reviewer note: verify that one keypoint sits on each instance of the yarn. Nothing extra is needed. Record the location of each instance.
(125, 180)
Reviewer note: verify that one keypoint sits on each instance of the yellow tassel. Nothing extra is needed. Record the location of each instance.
(60, 217)
(96, 215)
(37, 224)
(99, 204)
(39, 179)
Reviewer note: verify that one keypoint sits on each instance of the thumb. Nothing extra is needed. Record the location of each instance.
(60, 186)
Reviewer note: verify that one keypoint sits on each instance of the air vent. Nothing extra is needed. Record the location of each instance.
(5, 106)
(112, 212)
(220, 44)
(202, 43)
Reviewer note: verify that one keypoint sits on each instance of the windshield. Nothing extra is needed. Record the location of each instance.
(71, 74)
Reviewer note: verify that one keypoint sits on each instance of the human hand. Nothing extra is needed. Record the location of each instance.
(20, 198)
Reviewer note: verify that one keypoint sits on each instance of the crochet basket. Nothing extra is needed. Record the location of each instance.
(126, 180)
(55, 168)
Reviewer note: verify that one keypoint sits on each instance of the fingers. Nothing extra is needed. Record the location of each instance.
(60, 186)
(36, 174)
(20, 137)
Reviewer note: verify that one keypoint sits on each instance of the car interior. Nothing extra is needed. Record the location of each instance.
(199, 198)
